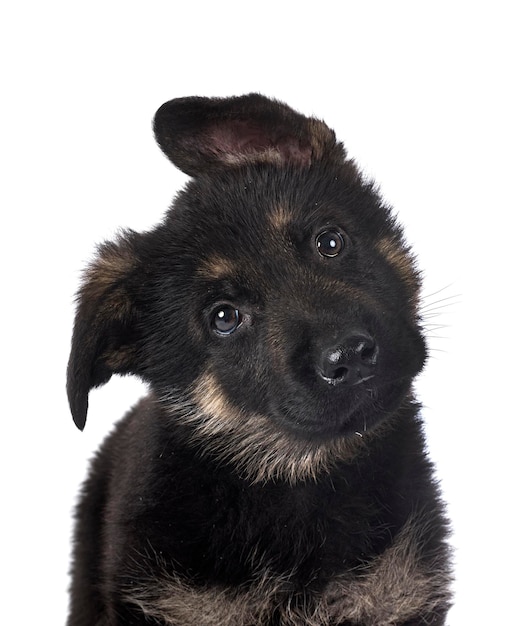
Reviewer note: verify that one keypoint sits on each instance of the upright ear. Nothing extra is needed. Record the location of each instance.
(197, 134)
(105, 323)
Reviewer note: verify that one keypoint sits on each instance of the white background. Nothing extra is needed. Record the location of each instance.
(426, 96)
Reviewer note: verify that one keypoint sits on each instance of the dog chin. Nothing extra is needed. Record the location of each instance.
(321, 424)
(351, 416)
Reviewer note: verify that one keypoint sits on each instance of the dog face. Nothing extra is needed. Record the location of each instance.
(274, 311)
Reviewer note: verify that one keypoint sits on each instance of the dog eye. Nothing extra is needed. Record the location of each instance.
(226, 319)
(330, 243)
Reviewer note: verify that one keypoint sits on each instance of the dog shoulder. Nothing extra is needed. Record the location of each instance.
(114, 481)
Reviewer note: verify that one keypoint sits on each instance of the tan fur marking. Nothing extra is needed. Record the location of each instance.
(101, 290)
(252, 443)
(114, 262)
(321, 136)
(217, 268)
(395, 587)
(399, 259)
(280, 218)
(398, 585)
(269, 156)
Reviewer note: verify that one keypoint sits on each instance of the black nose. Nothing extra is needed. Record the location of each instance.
(352, 360)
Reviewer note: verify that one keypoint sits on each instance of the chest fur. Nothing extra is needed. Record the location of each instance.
(400, 585)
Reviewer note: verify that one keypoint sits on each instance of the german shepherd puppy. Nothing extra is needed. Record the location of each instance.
(276, 472)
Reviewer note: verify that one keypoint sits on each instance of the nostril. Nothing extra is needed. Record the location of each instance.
(368, 352)
(340, 373)
(334, 376)
(332, 366)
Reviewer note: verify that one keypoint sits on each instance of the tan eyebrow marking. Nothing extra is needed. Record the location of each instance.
(280, 218)
(217, 268)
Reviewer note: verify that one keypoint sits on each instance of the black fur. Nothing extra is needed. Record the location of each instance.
(276, 473)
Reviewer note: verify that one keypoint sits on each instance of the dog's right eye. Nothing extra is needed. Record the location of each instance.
(225, 319)
(330, 243)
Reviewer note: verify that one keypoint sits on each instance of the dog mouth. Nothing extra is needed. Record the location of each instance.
(325, 420)
(342, 410)
(339, 379)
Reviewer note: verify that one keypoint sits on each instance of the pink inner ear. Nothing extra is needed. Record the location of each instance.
(238, 139)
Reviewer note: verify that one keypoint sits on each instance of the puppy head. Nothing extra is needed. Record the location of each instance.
(274, 310)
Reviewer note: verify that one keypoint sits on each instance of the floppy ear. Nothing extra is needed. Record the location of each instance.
(201, 133)
(104, 325)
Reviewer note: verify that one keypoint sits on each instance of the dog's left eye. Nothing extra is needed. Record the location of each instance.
(330, 243)
(226, 319)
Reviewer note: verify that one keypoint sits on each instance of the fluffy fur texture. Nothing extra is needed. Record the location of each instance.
(276, 473)
(397, 587)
